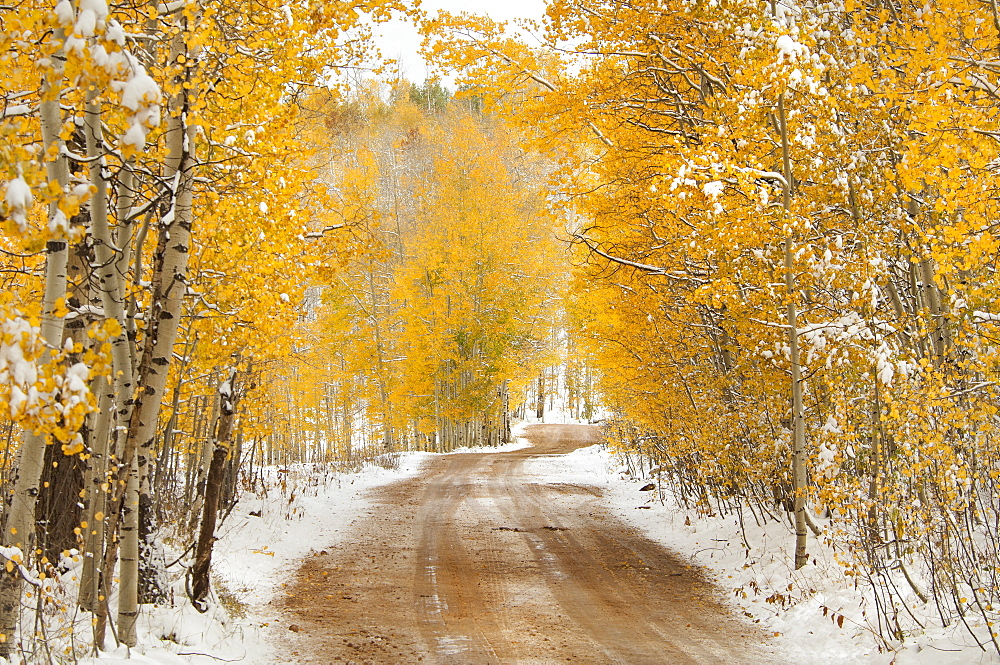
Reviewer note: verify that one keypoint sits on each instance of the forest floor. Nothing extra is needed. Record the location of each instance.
(476, 561)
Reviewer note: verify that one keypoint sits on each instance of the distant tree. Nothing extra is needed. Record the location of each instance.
(430, 96)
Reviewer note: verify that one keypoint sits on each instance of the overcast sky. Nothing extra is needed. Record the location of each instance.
(400, 41)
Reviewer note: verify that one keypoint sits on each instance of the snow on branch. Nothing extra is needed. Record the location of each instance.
(312, 235)
(645, 267)
(980, 316)
(14, 556)
(17, 110)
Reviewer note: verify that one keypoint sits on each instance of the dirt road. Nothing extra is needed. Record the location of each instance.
(472, 562)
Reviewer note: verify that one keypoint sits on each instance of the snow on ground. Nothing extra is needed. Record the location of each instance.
(759, 580)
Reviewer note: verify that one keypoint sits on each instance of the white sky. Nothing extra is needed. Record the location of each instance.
(400, 41)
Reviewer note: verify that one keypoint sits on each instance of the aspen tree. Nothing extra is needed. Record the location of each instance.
(169, 285)
(791, 292)
(18, 527)
(222, 449)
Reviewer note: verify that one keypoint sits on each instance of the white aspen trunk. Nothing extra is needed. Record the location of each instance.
(19, 526)
(348, 425)
(57, 249)
(96, 494)
(798, 411)
(110, 281)
(900, 311)
(798, 417)
(319, 452)
(125, 230)
(438, 422)
(128, 588)
(137, 272)
(920, 342)
(940, 335)
(169, 287)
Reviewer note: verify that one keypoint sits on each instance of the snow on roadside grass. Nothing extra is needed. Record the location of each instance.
(758, 580)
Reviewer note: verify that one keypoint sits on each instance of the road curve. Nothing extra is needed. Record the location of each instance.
(475, 562)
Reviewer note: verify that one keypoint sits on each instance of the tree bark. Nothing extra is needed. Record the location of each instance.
(169, 287)
(96, 498)
(201, 569)
(798, 410)
(540, 404)
(128, 589)
(19, 524)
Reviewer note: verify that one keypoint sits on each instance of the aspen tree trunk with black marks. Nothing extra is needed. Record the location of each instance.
(201, 569)
(112, 259)
(798, 410)
(169, 286)
(933, 302)
(128, 587)
(57, 511)
(19, 522)
(110, 271)
(96, 488)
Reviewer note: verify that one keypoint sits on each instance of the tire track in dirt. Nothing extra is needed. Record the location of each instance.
(602, 583)
(475, 562)
(449, 608)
